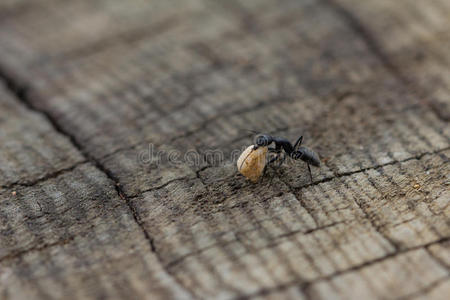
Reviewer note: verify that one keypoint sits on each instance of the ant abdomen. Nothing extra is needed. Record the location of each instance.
(307, 155)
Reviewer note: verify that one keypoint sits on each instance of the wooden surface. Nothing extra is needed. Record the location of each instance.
(88, 86)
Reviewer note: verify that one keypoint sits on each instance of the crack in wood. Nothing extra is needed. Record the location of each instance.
(30, 183)
(438, 260)
(160, 186)
(349, 173)
(305, 286)
(21, 253)
(21, 91)
(345, 174)
(376, 227)
(250, 23)
(275, 241)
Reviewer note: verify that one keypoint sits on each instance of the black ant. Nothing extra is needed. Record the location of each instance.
(295, 152)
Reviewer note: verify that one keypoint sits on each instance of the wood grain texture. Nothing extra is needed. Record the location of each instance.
(102, 100)
(30, 148)
(74, 231)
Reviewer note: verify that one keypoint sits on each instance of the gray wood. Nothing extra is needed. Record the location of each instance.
(72, 236)
(90, 87)
(30, 149)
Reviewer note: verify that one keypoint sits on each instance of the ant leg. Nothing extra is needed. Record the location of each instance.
(278, 172)
(273, 174)
(277, 154)
(282, 160)
(265, 169)
(298, 142)
(282, 157)
(310, 175)
(274, 150)
(270, 162)
(271, 179)
(264, 172)
(272, 159)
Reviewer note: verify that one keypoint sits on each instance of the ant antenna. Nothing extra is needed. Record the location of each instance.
(298, 143)
(252, 131)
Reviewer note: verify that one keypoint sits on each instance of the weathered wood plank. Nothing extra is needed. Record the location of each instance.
(271, 237)
(293, 90)
(30, 148)
(415, 38)
(73, 237)
(398, 277)
(441, 252)
(206, 84)
(117, 78)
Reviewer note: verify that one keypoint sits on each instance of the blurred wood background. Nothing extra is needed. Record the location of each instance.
(90, 86)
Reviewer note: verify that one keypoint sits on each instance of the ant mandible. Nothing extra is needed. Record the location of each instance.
(295, 152)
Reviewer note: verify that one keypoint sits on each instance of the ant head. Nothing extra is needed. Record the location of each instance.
(263, 140)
